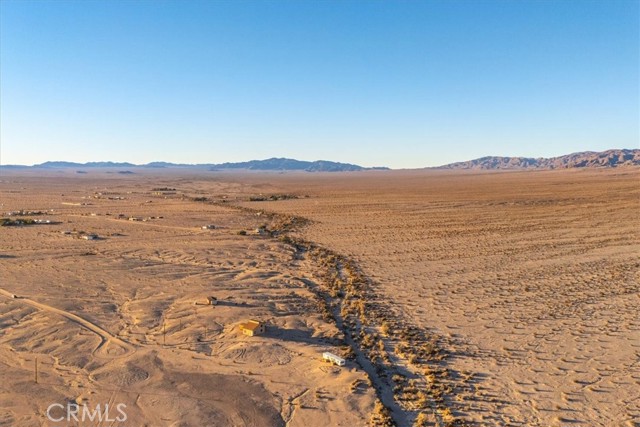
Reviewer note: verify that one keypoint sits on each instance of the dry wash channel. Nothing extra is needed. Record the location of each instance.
(408, 365)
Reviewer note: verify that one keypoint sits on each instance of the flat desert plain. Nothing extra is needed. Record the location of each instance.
(457, 298)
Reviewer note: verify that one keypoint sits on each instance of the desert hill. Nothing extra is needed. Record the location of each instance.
(609, 158)
(272, 164)
(584, 159)
(292, 164)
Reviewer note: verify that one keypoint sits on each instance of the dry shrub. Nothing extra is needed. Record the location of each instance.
(422, 420)
(386, 328)
(380, 417)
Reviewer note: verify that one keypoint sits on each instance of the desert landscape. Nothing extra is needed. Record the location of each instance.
(475, 298)
(125, 317)
(319, 213)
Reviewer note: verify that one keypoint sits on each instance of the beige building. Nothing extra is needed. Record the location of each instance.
(252, 327)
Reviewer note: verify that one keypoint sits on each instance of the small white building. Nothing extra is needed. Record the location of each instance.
(90, 236)
(332, 358)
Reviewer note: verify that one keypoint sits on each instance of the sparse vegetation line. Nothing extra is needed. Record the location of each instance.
(407, 365)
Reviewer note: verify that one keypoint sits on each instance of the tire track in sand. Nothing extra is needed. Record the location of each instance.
(107, 337)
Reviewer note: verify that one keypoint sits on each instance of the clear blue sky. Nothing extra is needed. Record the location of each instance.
(402, 84)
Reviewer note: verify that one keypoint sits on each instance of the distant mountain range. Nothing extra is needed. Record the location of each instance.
(585, 159)
(292, 165)
(84, 165)
(273, 164)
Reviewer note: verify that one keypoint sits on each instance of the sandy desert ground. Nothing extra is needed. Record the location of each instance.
(114, 321)
(533, 278)
(467, 298)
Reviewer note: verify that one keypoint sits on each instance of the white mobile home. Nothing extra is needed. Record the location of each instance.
(330, 357)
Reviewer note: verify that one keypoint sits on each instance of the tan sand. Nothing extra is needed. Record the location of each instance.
(114, 320)
(529, 281)
(533, 276)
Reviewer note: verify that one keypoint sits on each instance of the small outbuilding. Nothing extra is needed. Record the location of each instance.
(212, 300)
(262, 231)
(253, 327)
(332, 358)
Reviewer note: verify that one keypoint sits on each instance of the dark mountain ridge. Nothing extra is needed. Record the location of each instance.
(585, 159)
(291, 165)
(272, 164)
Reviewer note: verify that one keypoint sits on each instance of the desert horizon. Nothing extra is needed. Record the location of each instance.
(454, 297)
(613, 157)
(319, 213)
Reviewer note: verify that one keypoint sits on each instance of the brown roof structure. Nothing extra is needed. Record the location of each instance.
(251, 325)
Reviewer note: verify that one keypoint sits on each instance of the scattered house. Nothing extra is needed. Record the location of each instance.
(23, 212)
(6, 222)
(25, 221)
(253, 327)
(332, 358)
(209, 227)
(135, 218)
(90, 236)
(212, 300)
